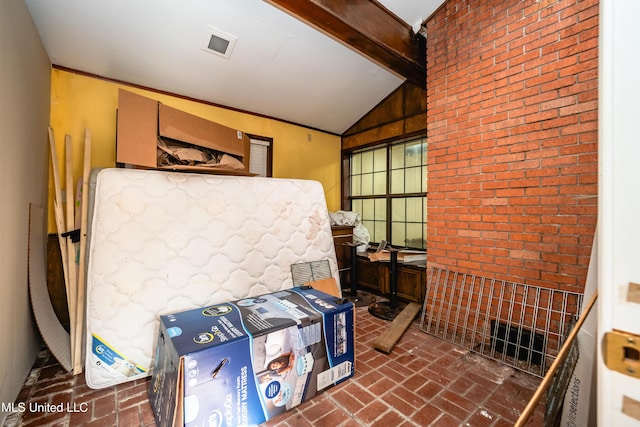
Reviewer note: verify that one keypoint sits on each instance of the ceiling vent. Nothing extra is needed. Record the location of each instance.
(218, 42)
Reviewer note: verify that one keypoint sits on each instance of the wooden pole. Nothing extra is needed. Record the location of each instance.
(59, 214)
(71, 247)
(562, 354)
(77, 365)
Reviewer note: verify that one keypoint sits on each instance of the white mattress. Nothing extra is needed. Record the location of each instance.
(162, 242)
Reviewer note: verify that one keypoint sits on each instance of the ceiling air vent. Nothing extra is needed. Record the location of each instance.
(219, 43)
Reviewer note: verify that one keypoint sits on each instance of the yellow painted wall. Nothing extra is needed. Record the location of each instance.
(79, 102)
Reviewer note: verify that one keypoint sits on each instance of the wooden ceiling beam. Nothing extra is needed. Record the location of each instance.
(367, 27)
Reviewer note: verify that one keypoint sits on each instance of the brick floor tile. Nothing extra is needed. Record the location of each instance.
(458, 400)
(415, 381)
(390, 418)
(372, 411)
(332, 419)
(475, 393)
(348, 423)
(146, 413)
(45, 418)
(396, 402)
(429, 390)
(349, 402)
(104, 406)
(482, 417)
(409, 396)
(360, 392)
(381, 386)
(108, 421)
(446, 420)
(316, 411)
(426, 415)
(81, 418)
(132, 395)
(449, 407)
(394, 371)
(53, 387)
(129, 417)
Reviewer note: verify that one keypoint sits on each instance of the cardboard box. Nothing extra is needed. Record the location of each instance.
(244, 362)
(142, 122)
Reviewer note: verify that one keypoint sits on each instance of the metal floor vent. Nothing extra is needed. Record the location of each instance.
(309, 271)
(519, 325)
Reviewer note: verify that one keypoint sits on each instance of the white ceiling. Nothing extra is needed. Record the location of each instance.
(279, 67)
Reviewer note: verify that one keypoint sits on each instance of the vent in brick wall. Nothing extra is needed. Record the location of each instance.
(520, 325)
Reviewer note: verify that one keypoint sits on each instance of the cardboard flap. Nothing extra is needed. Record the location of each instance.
(137, 128)
(178, 412)
(181, 126)
(328, 286)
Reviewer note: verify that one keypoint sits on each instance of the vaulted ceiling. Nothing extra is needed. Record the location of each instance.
(317, 63)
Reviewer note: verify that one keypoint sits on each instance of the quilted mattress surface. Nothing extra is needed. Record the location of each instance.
(161, 242)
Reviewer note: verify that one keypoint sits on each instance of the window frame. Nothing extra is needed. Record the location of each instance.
(388, 196)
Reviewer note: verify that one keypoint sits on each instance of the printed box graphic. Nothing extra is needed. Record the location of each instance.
(244, 362)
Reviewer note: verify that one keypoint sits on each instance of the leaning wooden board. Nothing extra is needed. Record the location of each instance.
(389, 338)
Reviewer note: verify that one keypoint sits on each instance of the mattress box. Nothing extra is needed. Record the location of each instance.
(244, 362)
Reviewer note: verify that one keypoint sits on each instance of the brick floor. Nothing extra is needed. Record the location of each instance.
(424, 382)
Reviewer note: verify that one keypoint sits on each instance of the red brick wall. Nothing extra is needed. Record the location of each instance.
(512, 102)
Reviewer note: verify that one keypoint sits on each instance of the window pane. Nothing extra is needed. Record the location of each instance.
(356, 182)
(356, 206)
(356, 162)
(368, 210)
(424, 179)
(381, 209)
(413, 154)
(370, 226)
(367, 162)
(397, 156)
(398, 234)
(413, 180)
(380, 232)
(380, 183)
(367, 185)
(380, 159)
(415, 234)
(398, 211)
(414, 209)
(424, 152)
(397, 181)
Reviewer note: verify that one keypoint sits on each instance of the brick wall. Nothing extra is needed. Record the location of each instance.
(512, 131)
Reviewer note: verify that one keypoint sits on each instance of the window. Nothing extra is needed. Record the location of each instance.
(261, 156)
(389, 190)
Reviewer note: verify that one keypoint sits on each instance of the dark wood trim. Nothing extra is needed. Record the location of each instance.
(389, 133)
(345, 167)
(400, 115)
(369, 28)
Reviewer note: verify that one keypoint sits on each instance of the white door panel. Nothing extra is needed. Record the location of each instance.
(619, 199)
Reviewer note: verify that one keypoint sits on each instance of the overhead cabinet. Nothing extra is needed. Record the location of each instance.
(153, 135)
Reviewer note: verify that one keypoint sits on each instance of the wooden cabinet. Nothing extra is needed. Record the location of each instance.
(411, 283)
(342, 238)
(374, 277)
